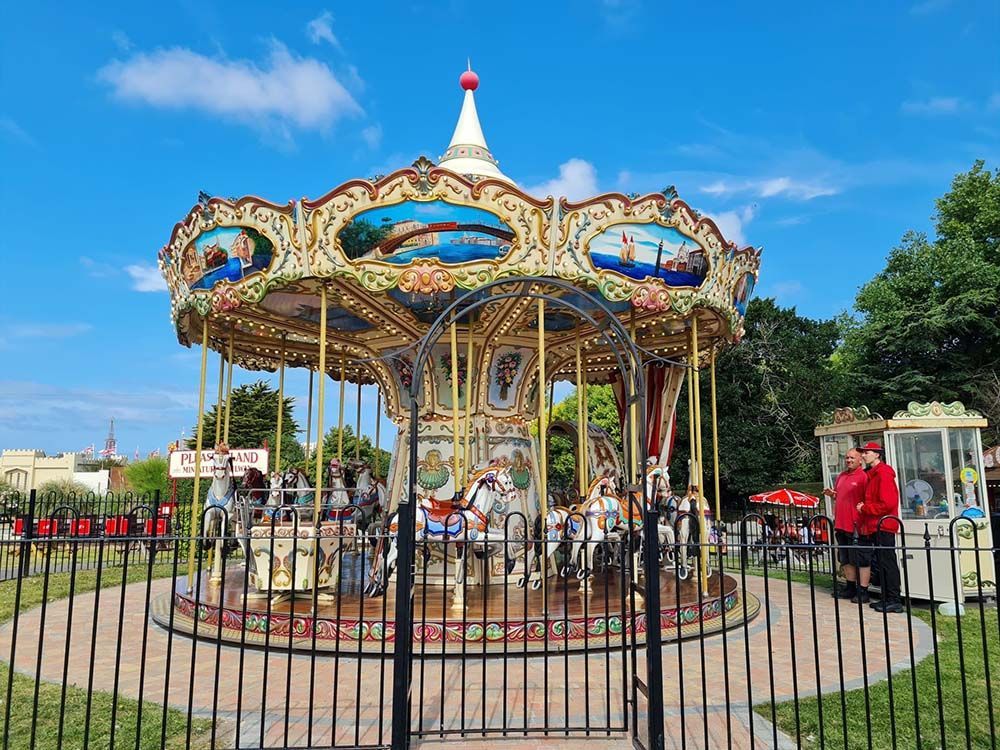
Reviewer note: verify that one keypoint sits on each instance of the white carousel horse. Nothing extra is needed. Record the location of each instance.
(338, 494)
(562, 525)
(466, 521)
(220, 501)
(658, 499)
(369, 495)
(684, 520)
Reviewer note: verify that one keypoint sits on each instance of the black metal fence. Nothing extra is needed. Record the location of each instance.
(282, 638)
(122, 519)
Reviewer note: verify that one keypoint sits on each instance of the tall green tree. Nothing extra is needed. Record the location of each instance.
(601, 411)
(928, 325)
(771, 389)
(367, 450)
(254, 420)
(148, 476)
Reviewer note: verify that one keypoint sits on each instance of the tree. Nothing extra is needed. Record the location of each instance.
(149, 476)
(928, 325)
(771, 389)
(360, 236)
(350, 444)
(602, 411)
(254, 420)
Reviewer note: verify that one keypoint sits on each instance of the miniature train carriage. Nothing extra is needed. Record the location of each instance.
(937, 453)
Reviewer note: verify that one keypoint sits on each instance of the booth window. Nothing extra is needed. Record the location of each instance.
(920, 458)
(965, 456)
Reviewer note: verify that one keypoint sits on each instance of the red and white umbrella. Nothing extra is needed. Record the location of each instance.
(786, 497)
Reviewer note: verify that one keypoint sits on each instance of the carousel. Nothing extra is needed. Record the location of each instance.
(458, 300)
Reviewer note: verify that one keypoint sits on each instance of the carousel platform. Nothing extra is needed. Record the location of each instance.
(491, 619)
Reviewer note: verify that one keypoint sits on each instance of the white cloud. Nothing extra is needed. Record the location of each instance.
(46, 330)
(121, 40)
(146, 278)
(372, 135)
(11, 131)
(50, 407)
(732, 223)
(577, 180)
(935, 105)
(320, 29)
(772, 187)
(288, 91)
(791, 221)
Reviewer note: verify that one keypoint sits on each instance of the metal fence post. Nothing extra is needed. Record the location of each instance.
(28, 535)
(654, 660)
(403, 645)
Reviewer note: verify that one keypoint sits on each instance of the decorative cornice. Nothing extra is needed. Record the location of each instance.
(918, 410)
(847, 415)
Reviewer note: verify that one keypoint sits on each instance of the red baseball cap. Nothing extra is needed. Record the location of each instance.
(872, 447)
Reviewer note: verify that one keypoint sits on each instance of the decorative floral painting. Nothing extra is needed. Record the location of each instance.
(415, 230)
(441, 359)
(506, 372)
(225, 253)
(650, 250)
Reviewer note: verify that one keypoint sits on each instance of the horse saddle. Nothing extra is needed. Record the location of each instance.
(439, 510)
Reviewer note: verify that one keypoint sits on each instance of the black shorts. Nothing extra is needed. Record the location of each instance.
(859, 555)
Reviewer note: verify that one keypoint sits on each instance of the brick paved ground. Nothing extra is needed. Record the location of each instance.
(350, 696)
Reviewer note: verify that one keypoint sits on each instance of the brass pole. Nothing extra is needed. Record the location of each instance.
(581, 455)
(317, 496)
(715, 447)
(229, 388)
(357, 437)
(586, 434)
(633, 412)
(195, 510)
(309, 412)
(378, 429)
(456, 463)
(469, 405)
(698, 449)
(340, 419)
(218, 403)
(543, 428)
(281, 405)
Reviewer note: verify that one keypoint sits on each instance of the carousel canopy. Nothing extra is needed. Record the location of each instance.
(394, 251)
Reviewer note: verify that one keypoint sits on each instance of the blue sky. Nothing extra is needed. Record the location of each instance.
(820, 131)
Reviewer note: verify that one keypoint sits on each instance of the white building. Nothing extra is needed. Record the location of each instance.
(28, 469)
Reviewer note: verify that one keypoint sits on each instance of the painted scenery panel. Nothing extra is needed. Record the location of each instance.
(649, 250)
(225, 253)
(744, 289)
(420, 230)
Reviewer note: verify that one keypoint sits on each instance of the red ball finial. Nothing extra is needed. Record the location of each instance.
(469, 81)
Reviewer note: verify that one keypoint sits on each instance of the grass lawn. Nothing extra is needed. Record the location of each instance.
(47, 717)
(901, 710)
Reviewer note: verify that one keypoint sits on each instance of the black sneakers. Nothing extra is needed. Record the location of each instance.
(847, 592)
(887, 606)
(861, 597)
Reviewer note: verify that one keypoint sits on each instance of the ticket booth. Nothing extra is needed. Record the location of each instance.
(936, 451)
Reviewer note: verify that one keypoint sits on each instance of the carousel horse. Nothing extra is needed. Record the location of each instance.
(337, 484)
(465, 521)
(658, 498)
(369, 495)
(295, 488)
(562, 525)
(220, 502)
(255, 487)
(684, 520)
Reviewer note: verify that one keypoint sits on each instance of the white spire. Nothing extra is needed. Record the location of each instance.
(468, 153)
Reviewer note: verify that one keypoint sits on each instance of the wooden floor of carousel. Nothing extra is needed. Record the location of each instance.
(494, 618)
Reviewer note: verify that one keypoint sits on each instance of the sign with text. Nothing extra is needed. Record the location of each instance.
(182, 462)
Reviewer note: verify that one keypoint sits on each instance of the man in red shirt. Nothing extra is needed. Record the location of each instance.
(881, 501)
(848, 491)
